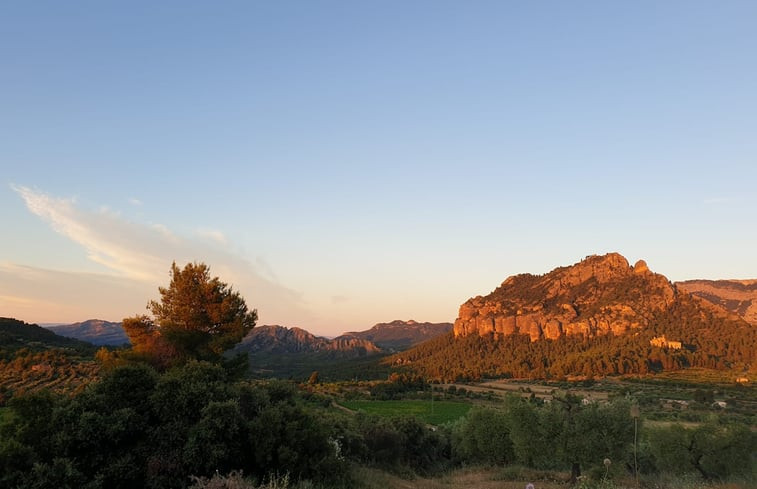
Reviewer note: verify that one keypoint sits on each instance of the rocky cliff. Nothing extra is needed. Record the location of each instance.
(737, 296)
(598, 295)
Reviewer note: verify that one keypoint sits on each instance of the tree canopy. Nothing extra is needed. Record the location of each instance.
(197, 316)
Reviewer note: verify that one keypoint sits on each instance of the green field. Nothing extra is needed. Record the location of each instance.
(441, 411)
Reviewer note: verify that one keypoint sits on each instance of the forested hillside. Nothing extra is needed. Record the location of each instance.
(33, 358)
(599, 317)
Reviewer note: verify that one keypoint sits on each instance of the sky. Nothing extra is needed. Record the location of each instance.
(345, 163)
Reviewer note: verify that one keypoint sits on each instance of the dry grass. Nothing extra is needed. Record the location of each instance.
(471, 478)
(498, 478)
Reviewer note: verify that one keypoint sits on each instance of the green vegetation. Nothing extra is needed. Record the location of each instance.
(156, 417)
(17, 335)
(138, 428)
(198, 317)
(33, 358)
(56, 370)
(330, 367)
(436, 412)
(474, 357)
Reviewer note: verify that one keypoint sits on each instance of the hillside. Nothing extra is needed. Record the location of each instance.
(600, 316)
(401, 335)
(737, 296)
(95, 331)
(280, 352)
(15, 335)
(33, 358)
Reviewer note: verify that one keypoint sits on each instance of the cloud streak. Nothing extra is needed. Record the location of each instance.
(141, 254)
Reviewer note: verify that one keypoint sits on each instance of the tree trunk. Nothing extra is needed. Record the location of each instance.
(575, 472)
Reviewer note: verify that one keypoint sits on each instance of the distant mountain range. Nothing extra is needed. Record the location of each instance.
(95, 331)
(381, 338)
(278, 339)
(401, 335)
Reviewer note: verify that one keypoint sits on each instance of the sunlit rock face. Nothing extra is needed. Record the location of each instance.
(736, 296)
(599, 295)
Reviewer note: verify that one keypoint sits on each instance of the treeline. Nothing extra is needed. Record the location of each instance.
(567, 434)
(16, 335)
(709, 341)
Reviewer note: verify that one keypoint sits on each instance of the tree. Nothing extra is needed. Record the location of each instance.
(197, 317)
(484, 437)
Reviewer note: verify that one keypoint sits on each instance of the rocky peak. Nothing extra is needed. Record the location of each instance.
(640, 267)
(595, 296)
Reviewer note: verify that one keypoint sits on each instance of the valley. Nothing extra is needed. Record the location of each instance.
(539, 381)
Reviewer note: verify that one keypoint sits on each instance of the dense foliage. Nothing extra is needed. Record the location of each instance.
(568, 434)
(197, 317)
(137, 428)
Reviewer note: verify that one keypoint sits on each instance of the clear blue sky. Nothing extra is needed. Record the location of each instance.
(347, 163)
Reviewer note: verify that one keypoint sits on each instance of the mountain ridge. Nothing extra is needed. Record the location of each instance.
(281, 339)
(400, 335)
(96, 331)
(600, 316)
(16, 334)
(583, 298)
(736, 296)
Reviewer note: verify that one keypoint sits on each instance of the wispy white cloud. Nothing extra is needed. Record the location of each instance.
(142, 253)
(135, 202)
(213, 235)
(127, 248)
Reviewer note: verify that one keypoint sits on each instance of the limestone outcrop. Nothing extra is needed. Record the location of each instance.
(599, 295)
